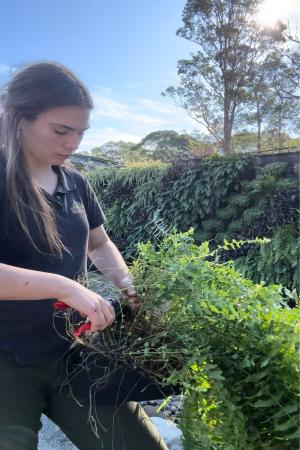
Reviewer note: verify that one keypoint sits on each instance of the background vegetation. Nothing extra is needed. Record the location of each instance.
(233, 197)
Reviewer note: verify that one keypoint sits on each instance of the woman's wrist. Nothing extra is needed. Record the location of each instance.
(63, 286)
(127, 284)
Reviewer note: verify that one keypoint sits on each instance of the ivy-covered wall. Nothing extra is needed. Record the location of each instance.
(234, 197)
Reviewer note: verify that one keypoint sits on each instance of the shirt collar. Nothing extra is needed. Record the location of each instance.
(66, 182)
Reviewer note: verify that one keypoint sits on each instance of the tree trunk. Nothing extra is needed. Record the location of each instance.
(259, 121)
(280, 133)
(227, 125)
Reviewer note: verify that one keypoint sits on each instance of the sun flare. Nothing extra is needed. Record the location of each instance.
(271, 11)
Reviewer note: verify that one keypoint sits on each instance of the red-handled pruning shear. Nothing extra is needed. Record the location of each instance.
(78, 331)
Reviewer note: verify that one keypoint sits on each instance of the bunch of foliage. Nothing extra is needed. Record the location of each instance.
(251, 214)
(129, 198)
(161, 145)
(278, 209)
(215, 195)
(165, 145)
(240, 200)
(229, 343)
(276, 168)
(236, 226)
(138, 199)
(276, 262)
(226, 213)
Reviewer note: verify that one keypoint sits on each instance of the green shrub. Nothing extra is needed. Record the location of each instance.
(235, 226)
(221, 236)
(226, 213)
(145, 201)
(252, 214)
(180, 195)
(284, 184)
(212, 225)
(262, 203)
(277, 169)
(253, 185)
(276, 262)
(240, 200)
(297, 169)
(229, 343)
(203, 235)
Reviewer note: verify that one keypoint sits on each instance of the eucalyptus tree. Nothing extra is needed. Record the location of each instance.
(165, 145)
(116, 150)
(274, 89)
(213, 81)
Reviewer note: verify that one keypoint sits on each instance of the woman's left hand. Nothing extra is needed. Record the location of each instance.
(134, 300)
(129, 291)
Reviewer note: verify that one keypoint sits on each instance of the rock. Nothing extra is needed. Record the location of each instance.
(152, 411)
(52, 438)
(170, 433)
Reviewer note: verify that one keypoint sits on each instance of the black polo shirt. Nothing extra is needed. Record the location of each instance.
(28, 328)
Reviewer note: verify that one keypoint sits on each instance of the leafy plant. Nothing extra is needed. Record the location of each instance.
(222, 235)
(263, 203)
(252, 185)
(251, 214)
(277, 169)
(240, 200)
(227, 212)
(276, 262)
(181, 194)
(228, 342)
(235, 226)
(297, 169)
(281, 209)
(202, 235)
(212, 225)
(285, 184)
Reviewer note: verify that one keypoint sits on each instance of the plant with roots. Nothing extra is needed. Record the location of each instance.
(231, 345)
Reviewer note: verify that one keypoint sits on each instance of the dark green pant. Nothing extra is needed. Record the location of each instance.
(28, 391)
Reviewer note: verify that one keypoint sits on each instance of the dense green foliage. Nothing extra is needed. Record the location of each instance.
(138, 200)
(161, 145)
(228, 342)
(218, 196)
(276, 262)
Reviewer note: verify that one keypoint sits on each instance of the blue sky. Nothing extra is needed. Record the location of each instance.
(125, 51)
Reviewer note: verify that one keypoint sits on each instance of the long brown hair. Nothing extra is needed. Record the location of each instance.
(33, 90)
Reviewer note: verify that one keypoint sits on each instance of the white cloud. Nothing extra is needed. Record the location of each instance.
(131, 119)
(133, 85)
(157, 106)
(99, 136)
(108, 107)
(113, 109)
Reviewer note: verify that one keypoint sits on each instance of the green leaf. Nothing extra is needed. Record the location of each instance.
(286, 410)
(265, 403)
(164, 403)
(293, 422)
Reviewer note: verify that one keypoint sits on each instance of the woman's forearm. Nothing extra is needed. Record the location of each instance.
(109, 260)
(23, 284)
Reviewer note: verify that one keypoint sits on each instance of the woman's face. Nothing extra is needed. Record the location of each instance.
(54, 135)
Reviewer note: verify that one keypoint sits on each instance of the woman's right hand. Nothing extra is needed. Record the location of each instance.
(99, 312)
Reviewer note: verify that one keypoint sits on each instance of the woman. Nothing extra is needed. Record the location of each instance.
(50, 221)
